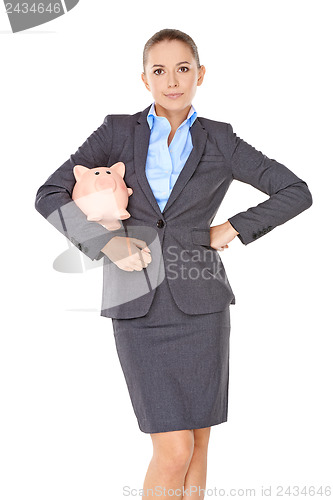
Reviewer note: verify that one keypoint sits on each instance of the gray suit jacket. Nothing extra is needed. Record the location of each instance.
(179, 237)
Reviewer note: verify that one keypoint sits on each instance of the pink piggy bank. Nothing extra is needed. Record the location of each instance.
(102, 194)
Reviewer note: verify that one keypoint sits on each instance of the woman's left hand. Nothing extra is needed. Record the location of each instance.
(221, 235)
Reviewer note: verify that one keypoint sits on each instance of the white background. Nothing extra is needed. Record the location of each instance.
(67, 426)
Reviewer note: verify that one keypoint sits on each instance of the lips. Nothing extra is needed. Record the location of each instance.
(173, 96)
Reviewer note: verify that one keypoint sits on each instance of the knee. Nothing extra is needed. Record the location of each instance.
(175, 456)
(176, 460)
(201, 438)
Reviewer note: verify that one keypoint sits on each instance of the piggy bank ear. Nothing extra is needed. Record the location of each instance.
(79, 171)
(119, 168)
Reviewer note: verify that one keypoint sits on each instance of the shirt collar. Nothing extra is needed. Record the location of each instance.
(192, 114)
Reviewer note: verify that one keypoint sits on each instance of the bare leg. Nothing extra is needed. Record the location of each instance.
(167, 469)
(197, 472)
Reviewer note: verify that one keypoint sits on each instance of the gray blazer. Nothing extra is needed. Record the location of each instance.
(179, 237)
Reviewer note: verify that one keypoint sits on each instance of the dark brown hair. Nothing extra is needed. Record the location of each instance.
(170, 34)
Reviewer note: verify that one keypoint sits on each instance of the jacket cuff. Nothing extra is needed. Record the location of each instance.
(246, 234)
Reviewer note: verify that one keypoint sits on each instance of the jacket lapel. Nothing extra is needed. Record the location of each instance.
(141, 144)
(199, 138)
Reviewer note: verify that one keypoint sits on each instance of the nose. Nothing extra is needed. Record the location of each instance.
(172, 80)
(105, 182)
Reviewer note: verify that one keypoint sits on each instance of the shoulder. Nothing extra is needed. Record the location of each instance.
(219, 133)
(213, 126)
(122, 119)
(120, 126)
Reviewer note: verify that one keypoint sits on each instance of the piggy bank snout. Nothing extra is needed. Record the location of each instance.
(105, 182)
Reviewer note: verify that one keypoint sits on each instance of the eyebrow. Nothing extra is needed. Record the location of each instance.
(178, 64)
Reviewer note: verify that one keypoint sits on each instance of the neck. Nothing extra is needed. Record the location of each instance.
(175, 117)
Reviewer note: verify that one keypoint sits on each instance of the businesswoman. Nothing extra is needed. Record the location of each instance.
(173, 338)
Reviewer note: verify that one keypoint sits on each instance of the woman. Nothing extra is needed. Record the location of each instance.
(173, 339)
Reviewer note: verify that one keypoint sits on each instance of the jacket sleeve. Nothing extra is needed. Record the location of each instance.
(288, 194)
(54, 197)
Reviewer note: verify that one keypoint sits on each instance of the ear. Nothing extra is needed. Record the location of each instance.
(144, 79)
(201, 75)
(79, 171)
(119, 168)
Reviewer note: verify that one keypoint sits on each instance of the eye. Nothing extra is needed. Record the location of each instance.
(185, 68)
(159, 69)
(97, 173)
(108, 172)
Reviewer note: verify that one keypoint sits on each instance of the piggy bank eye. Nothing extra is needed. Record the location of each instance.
(96, 173)
(108, 172)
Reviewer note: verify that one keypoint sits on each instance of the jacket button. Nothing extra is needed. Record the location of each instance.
(160, 223)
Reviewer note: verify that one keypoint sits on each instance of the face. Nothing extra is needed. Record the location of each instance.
(172, 76)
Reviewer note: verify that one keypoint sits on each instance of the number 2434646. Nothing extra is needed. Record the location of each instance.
(36, 8)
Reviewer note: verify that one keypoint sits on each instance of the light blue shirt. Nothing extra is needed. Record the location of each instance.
(164, 163)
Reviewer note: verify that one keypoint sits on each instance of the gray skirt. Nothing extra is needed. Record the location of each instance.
(176, 365)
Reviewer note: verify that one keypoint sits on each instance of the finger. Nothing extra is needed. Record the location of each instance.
(125, 268)
(137, 267)
(143, 245)
(128, 245)
(146, 262)
(139, 263)
(146, 257)
(140, 243)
